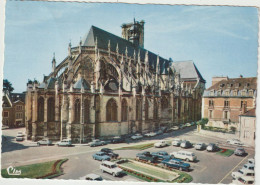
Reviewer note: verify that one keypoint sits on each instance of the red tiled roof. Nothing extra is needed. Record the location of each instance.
(250, 113)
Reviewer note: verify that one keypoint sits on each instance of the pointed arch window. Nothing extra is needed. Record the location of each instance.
(51, 109)
(40, 109)
(164, 103)
(87, 111)
(111, 112)
(146, 109)
(124, 110)
(77, 111)
(155, 110)
(138, 110)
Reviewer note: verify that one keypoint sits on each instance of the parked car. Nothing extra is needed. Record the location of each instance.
(242, 172)
(159, 132)
(160, 144)
(193, 123)
(97, 142)
(117, 139)
(20, 133)
(186, 144)
(161, 155)
(176, 163)
(111, 168)
(212, 147)
(175, 128)
(4, 127)
(101, 156)
(176, 142)
(64, 142)
(249, 166)
(185, 155)
(109, 152)
(164, 129)
(188, 125)
(146, 156)
(150, 134)
(200, 146)
(234, 142)
(93, 177)
(136, 136)
(182, 126)
(251, 161)
(19, 138)
(240, 151)
(44, 142)
(244, 180)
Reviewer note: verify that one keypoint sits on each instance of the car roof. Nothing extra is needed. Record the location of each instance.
(250, 165)
(174, 159)
(246, 170)
(92, 175)
(248, 178)
(108, 163)
(100, 153)
(185, 152)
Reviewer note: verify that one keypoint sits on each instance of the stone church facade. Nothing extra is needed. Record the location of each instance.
(109, 86)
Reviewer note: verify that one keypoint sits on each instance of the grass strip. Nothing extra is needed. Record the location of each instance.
(39, 170)
(137, 147)
(225, 152)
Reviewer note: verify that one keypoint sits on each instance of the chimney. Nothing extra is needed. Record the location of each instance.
(217, 79)
(241, 76)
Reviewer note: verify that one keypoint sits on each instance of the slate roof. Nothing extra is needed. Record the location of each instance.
(252, 81)
(103, 38)
(187, 70)
(82, 82)
(250, 113)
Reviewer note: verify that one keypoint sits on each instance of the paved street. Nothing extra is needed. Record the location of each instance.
(211, 168)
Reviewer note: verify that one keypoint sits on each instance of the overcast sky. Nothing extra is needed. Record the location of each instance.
(220, 40)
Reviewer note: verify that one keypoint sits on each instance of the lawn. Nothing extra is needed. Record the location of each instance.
(150, 173)
(137, 147)
(39, 170)
(225, 152)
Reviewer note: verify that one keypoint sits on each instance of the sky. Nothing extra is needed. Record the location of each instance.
(222, 41)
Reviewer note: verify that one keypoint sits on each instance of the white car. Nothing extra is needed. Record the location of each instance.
(187, 124)
(19, 138)
(249, 166)
(150, 134)
(176, 142)
(234, 142)
(93, 177)
(111, 168)
(161, 143)
(44, 142)
(136, 136)
(185, 155)
(175, 128)
(242, 172)
(251, 161)
(20, 133)
(64, 142)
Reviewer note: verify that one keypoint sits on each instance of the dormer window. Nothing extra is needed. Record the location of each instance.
(219, 93)
(235, 93)
(212, 93)
(251, 93)
(226, 93)
(243, 93)
(238, 85)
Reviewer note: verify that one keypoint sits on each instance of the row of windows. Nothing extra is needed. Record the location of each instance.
(111, 110)
(227, 103)
(19, 107)
(225, 114)
(235, 93)
(19, 115)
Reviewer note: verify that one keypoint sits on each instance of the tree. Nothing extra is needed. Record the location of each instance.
(7, 86)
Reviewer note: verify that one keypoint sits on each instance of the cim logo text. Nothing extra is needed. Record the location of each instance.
(12, 171)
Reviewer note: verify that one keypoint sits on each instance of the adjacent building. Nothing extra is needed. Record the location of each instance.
(108, 85)
(13, 109)
(228, 98)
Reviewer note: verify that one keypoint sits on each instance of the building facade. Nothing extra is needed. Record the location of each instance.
(13, 109)
(247, 127)
(227, 98)
(109, 86)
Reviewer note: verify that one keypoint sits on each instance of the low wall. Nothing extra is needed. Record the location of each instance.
(219, 134)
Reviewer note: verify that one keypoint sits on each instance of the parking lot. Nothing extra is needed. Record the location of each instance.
(210, 167)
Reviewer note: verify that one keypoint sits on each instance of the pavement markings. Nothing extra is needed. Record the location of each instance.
(233, 169)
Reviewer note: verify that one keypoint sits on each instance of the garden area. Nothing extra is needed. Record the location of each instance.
(225, 152)
(137, 147)
(46, 170)
(151, 172)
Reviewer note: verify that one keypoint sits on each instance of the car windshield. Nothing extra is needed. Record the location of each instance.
(113, 166)
(193, 154)
(240, 171)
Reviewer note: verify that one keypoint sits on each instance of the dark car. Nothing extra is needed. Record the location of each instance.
(186, 144)
(147, 156)
(117, 139)
(109, 152)
(212, 147)
(240, 151)
(176, 163)
(161, 155)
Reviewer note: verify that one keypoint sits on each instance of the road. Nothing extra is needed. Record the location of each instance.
(211, 168)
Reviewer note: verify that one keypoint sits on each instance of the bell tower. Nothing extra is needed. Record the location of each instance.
(134, 32)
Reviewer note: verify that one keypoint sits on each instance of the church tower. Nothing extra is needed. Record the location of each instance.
(134, 32)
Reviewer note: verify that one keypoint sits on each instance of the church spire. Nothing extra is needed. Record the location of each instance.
(69, 49)
(109, 48)
(53, 64)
